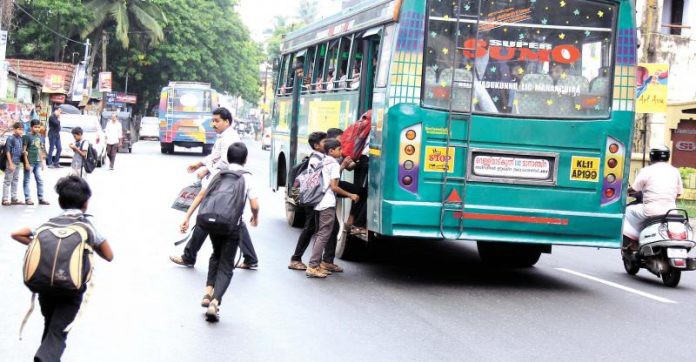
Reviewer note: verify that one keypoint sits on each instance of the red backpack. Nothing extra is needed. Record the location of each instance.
(355, 137)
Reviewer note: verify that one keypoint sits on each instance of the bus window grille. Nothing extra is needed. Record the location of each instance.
(455, 114)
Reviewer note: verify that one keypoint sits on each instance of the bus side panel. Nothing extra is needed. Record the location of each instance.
(280, 145)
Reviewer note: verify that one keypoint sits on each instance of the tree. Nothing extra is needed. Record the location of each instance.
(142, 16)
(307, 11)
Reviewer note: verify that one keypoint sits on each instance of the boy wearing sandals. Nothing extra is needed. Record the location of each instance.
(14, 155)
(35, 161)
(221, 265)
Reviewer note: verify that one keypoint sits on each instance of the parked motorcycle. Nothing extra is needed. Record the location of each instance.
(665, 247)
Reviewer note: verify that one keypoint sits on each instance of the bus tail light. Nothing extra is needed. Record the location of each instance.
(409, 157)
(612, 184)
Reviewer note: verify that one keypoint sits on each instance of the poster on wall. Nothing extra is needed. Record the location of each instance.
(651, 88)
(53, 83)
(105, 82)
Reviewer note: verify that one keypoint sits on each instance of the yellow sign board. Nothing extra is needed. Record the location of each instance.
(437, 159)
(283, 115)
(651, 88)
(324, 115)
(585, 169)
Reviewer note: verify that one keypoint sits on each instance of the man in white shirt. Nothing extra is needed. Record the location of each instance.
(207, 169)
(114, 139)
(661, 185)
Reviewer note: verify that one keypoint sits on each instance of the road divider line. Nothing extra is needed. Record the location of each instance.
(618, 286)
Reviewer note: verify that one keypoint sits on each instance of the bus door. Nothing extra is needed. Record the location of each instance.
(370, 42)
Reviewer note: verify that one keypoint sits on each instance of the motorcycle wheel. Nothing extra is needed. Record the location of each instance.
(671, 278)
(631, 267)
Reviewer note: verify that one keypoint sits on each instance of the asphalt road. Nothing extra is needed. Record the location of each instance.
(412, 301)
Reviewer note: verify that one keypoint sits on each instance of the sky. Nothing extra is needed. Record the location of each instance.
(258, 15)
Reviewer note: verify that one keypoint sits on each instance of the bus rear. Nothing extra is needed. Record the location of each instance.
(510, 124)
(185, 114)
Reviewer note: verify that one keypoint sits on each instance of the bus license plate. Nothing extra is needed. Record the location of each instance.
(676, 253)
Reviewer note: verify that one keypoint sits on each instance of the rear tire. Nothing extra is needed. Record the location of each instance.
(207, 150)
(672, 277)
(508, 255)
(349, 247)
(166, 148)
(294, 215)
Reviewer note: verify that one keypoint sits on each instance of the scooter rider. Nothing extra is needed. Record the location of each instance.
(661, 185)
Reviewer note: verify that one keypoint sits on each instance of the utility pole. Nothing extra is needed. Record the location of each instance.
(3, 49)
(104, 40)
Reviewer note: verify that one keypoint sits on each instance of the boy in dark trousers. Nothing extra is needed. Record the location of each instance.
(15, 160)
(60, 311)
(221, 265)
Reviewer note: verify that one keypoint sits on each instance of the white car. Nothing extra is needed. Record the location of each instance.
(91, 131)
(149, 128)
(266, 140)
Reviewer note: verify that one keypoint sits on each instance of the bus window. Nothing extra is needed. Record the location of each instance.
(319, 68)
(283, 75)
(527, 61)
(358, 53)
(343, 62)
(332, 60)
(308, 70)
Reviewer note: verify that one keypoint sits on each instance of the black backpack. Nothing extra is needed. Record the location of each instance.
(222, 208)
(89, 163)
(3, 156)
(59, 259)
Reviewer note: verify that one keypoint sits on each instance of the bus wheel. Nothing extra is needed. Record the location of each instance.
(349, 247)
(507, 255)
(295, 215)
(207, 150)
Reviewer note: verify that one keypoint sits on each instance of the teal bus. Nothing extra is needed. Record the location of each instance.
(505, 122)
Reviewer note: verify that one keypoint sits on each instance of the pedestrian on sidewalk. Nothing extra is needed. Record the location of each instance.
(221, 265)
(325, 211)
(114, 139)
(79, 147)
(60, 310)
(206, 170)
(35, 153)
(15, 163)
(54, 143)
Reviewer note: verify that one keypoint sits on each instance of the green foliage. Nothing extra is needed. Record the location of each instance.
(686, 171)
(198, 40)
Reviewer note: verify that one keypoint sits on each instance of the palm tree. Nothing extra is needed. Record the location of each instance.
(127, 14)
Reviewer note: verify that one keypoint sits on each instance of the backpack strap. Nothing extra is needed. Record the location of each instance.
(26, 316)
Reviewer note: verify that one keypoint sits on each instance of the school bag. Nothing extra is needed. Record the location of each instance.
(294, 190)
(89, 163)
(223, 205)
(59, 259)
(354, 138)
(310, 185)
(3, 156)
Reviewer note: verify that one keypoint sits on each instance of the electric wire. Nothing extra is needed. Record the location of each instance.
(46, 27)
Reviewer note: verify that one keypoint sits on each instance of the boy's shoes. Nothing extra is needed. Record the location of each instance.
(6, 203)
(176, 259)
(211, 315)
(17, 202)
(244, 265)
(331, 267)
(205, 303)
(297, 265)
(315, 273)
(29, 202)
(44, 202)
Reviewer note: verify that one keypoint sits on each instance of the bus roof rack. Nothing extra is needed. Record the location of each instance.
(189, 84)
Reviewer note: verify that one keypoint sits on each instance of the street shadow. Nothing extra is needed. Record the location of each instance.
(420, 262)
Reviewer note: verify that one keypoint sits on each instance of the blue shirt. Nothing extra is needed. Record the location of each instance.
(15, 146)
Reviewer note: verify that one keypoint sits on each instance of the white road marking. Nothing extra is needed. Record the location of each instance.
(618, 286)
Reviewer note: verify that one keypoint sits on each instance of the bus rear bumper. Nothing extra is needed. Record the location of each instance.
(501, 224)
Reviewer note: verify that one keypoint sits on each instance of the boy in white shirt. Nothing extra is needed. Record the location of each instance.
(79, 148)
(326, 209)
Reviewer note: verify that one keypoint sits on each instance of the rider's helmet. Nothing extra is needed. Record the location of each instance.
(659, 154)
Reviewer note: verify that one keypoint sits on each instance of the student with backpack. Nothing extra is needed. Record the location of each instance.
(80, 149)
(35, 153)
(325, 210)
(220, 215)
(316, 143)
(59, 279)
(12, 164)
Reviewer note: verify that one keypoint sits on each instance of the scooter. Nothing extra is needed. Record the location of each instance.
(665, 247)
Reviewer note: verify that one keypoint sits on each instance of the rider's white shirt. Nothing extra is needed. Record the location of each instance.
(660, 184)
